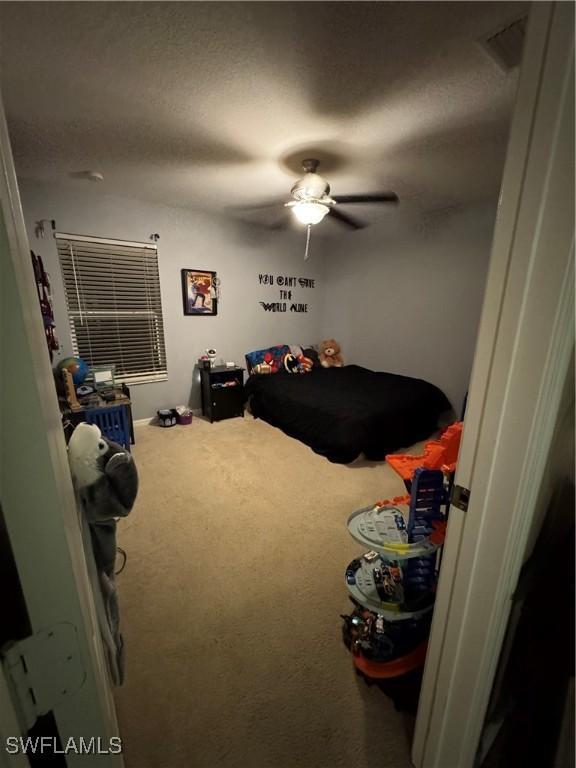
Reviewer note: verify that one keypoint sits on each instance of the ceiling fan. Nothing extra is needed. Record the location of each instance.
(312, 200)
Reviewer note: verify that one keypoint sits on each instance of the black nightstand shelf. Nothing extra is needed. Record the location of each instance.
(222, 392)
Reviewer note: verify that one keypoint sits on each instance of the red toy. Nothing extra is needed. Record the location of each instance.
(400, 666)
(438, 454)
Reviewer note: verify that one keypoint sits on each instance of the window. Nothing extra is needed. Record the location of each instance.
(113, 298)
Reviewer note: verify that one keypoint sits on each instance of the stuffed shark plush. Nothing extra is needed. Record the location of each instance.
(106, 480)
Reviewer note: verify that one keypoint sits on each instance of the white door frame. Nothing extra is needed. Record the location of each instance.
(9, 726)
(35, 484)
(525, 343)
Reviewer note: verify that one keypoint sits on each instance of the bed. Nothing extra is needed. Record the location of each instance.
(342, 413)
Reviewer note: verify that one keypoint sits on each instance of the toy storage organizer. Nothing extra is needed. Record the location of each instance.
(393, 584)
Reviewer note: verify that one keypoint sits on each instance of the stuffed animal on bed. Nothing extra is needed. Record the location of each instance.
(330, 356)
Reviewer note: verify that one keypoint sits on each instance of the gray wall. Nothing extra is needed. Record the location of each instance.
(405, 295)
(194, 240)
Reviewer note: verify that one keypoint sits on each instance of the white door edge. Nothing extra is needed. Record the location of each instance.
(8, 728)
(485, 547)
(35, 535)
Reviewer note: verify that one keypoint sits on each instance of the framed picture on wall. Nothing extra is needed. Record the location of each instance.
(199, 291)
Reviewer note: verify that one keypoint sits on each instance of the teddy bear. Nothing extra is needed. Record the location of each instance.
(330, 356)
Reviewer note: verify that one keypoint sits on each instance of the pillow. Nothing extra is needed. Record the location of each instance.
(306, 364)
(274, 356)
(290, 363)
(312, 354)
(296, 350)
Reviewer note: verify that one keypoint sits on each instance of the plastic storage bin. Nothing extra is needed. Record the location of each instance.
(167, 417)
(113, 422)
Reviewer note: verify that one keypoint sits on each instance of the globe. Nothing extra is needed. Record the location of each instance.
(77, 367)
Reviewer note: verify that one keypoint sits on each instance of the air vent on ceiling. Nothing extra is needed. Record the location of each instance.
(505, 45)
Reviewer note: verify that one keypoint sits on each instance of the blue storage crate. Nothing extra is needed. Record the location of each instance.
(113, 422)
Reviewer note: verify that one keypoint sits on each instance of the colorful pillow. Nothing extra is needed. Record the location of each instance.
(312, 354)
(299, 364)
(290, 363)
(273, 356)
(296, 350)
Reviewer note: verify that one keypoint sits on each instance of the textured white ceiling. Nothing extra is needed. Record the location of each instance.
(200, 103)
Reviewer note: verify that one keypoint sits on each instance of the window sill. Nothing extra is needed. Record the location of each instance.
(144, 380)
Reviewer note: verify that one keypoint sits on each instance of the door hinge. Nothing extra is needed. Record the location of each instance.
(460, 497)
(41, 670)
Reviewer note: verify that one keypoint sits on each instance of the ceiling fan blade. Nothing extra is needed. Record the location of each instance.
(270, 215)
(280, 224)
(343, 218)
(383, 197)
(260, 206)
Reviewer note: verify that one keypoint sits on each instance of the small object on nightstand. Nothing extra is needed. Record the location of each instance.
(230, 365)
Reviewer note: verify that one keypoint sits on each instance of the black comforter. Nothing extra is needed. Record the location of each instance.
(344, 412)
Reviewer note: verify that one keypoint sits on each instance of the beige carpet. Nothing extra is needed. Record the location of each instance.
(230, 605)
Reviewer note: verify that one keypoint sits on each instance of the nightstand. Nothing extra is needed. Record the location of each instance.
(222, 392)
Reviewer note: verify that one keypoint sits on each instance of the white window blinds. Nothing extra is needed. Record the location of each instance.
(114, 305)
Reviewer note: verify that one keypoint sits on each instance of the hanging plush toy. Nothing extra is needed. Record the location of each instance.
(330, 356)
(106, 480)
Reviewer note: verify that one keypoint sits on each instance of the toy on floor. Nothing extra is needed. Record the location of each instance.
(370, 636)
(404, 586)
(438, 454)
(183, 414)
(167, 417)
(330, 356)
(412, 525)
(393, 585)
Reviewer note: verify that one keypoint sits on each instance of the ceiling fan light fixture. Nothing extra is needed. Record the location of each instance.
(310, 212)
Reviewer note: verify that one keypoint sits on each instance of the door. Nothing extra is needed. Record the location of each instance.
(38, 502)
(525, 343)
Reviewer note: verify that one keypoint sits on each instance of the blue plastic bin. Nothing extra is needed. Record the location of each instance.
(113, 423)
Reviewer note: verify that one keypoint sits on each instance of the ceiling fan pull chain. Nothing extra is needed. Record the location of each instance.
(307, 251)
